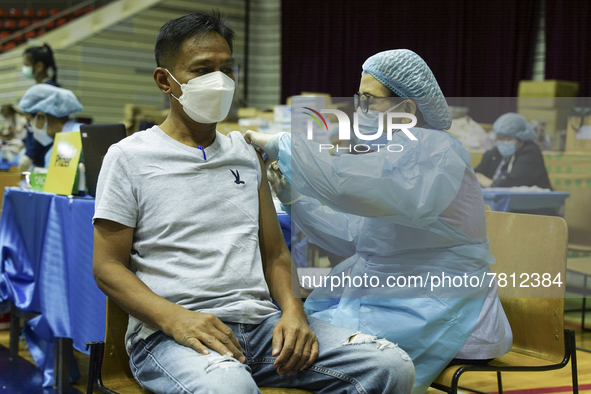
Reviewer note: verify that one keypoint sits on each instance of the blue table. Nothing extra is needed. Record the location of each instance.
(46, 267)
(507, 199)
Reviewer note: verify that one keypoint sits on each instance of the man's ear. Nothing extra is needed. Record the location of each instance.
(162, 79)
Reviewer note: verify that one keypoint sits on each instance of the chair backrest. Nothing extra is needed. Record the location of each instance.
(577, 213)
(116, 373)
(531, 244)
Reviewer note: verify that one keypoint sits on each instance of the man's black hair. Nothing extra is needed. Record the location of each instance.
(175, 32)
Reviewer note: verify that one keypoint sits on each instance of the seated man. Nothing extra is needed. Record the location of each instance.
(188, 243)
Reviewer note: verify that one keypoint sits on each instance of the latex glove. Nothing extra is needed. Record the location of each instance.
(280, 186)
(267, 142)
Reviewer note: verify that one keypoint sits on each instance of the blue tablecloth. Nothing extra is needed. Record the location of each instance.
(506, 199)
(46, 267)
(7, 165)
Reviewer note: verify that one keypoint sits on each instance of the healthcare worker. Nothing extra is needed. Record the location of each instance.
(415, 214)
(38, 65)
(47, 109)
(515, 160)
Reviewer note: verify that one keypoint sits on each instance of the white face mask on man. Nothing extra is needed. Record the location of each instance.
(41, 134)
(208, 98)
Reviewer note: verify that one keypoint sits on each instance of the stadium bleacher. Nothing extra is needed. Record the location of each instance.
(20, 25)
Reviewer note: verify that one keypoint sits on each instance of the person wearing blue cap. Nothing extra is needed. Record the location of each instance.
(515, 160)
(48, 109)
(398, 215)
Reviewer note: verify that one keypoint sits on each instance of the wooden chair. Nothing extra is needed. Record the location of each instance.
(109, 362)
(580, 267)
(533, 244)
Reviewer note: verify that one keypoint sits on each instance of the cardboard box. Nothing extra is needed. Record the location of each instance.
(9, 178)
(555, 118)
(578, 134)
(546, 102)
(547, 90)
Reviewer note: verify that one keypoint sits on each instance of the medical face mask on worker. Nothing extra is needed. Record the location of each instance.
(506, 148)
(28, 72)
(41, 134)
(370, 122)
(207, 99)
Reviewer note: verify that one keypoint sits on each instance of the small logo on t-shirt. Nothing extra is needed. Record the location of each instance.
(237, 176)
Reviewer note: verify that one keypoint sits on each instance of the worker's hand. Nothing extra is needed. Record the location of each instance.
(15, 145)
(484, 180)
(25, 163)
(280, 186)
(203, 331)
(267, 142)
(294, 342)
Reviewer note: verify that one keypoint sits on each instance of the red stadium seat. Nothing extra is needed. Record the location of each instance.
(9, 45)
(36, 20)
(4, 34)
(42, 13)
(50, 25)
(89, 9)
(14, 12)
(78, 12)
(3, 13)
(41, 31)
(54, 11)
(10, 24)
(23, 23)
(30, 34)
(61, 21)
(28, 13)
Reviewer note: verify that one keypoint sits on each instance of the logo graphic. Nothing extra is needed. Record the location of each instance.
(345, 130)
(316, 119)
(237, 176)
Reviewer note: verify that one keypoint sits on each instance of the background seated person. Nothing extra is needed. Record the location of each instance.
(47, 109)
(13, 133)
(515, 160)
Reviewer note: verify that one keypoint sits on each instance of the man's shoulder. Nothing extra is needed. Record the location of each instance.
(234, 139)
(135, 143)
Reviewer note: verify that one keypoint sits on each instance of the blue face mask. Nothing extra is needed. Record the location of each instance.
(506, 148)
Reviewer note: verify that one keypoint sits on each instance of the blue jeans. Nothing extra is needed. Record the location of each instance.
(364, 365)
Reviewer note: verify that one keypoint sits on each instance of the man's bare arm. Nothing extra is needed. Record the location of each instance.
(293, 340)
(200, 331)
